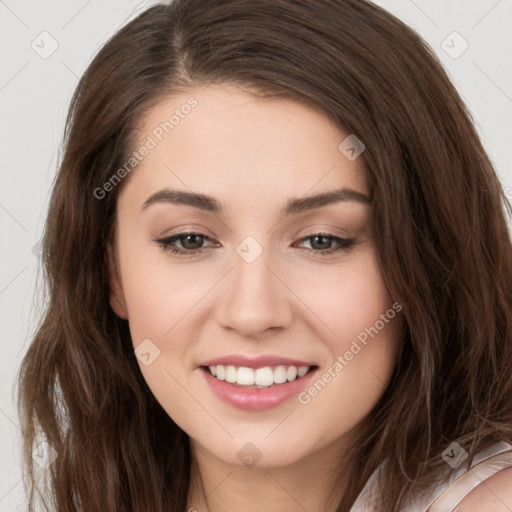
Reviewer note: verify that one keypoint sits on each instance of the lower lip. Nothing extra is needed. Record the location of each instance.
(255, 399)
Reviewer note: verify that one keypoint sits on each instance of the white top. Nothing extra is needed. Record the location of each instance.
(446, 497)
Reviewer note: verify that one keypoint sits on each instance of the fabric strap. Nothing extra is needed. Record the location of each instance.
(445, 497)
(462, 486)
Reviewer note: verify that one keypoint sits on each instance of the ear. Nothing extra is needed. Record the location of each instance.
(117, 301)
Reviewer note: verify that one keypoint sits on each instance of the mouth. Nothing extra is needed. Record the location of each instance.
(258, 378)
(257, 389)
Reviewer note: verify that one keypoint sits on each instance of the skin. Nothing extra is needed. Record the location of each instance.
(253, 155)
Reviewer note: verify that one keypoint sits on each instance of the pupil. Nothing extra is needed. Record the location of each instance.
(326, 240)
(187, 237)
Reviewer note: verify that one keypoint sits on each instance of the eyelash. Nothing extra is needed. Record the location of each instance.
(344, 244)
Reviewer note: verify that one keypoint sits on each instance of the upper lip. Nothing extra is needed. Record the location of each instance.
(254, 362)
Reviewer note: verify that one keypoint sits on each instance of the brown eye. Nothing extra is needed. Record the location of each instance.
(322, 243)
(191, 243)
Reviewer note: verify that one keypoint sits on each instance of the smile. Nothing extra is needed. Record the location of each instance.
(257, 389)
(257, 377)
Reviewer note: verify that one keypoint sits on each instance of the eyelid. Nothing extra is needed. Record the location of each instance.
(314, 228)
(187, 229)
(310, 230)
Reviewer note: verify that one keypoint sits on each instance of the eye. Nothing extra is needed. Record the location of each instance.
(190, 243)
(322, 244)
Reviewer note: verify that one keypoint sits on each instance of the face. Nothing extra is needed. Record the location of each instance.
(255, 281)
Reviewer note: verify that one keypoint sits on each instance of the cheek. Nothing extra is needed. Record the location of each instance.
(345, 299)
(160, 293)
(160, 297)
(363, 341)
(368, 330)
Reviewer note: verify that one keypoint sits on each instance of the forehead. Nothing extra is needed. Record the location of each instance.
(220, 138)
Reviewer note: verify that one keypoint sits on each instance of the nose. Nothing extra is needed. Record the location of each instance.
(254, 298)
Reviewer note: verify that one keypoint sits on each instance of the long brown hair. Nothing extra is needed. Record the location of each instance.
(440, 218)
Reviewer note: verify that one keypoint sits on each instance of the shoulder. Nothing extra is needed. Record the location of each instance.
(492, 495)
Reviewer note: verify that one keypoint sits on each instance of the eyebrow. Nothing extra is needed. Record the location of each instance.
(292, 207)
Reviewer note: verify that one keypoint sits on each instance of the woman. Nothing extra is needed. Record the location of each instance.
(280, 274)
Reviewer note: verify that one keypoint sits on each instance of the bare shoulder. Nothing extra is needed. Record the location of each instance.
(492, 495)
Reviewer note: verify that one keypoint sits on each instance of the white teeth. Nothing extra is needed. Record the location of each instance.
(291, 373)
(221, 372)
(264, 377)
(280, 374)
(302, 371)
(245, 376)
(230, 374)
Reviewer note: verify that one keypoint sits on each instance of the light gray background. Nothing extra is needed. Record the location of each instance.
(34, 96)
